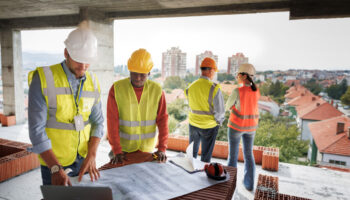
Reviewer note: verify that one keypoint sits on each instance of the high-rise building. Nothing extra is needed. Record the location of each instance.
(234, 62)
(174, 63)
(200, 58)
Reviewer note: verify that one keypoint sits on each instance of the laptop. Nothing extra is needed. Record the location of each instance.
(54, 192)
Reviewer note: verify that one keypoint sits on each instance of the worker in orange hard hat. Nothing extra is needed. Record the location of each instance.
(243, 121)
(65, 113)
(207, 110)
(135, 107)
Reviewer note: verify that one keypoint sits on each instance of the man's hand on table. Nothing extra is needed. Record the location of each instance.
(119, 158)
(89, 165)
(160, 156)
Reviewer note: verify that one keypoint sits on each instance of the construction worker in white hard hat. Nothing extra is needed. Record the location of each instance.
(135, 107)
(243, 121)
(207, 110)
(65, 113)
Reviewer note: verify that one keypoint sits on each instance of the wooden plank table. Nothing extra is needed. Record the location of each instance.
(219, 191)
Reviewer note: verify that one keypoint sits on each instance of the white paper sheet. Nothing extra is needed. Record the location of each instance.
(148, 181)
(186, 161)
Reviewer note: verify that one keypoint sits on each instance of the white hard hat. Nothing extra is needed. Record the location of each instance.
(246, 68)
(81, 45)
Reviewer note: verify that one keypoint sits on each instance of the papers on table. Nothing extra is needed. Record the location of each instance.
(187, 162)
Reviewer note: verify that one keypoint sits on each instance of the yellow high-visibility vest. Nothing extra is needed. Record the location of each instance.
(201, 94)
(60, 128)
(137, 121)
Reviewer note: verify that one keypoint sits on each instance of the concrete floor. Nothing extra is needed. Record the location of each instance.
(296, 180)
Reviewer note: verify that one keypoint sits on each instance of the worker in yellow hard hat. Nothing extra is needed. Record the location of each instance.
(207, 110)
(65, 113)
(135, 107)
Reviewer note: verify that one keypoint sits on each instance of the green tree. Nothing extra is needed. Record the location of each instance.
(178, 109)
(337, 90)
(313, 86)
(157, 75)
(280, 132)
(275, 90)
(345, 99)
(174, 82)
(190, 78)
(172, 124)
(225, 77)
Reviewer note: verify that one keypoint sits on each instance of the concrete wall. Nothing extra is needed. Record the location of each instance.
(11, 59)
(327, 157)
(305, 131)
(104, 68)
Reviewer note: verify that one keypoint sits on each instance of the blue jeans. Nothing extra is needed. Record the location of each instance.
(75, 167)
(234, 138)
(207, 137)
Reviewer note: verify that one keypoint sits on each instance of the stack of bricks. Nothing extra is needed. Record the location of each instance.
(178, 142)
(267, 188)
(270, 159)
(15, 159)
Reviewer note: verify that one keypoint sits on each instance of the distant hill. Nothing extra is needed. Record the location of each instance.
(33, 60)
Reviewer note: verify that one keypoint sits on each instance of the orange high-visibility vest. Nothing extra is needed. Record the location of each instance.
(246, 119)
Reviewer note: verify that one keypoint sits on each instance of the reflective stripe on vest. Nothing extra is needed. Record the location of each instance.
(136, 123)
(51, 92)
(234, 112)
(137, 136)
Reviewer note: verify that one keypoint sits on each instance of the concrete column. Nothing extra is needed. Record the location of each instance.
(11, 59)
(104, 67)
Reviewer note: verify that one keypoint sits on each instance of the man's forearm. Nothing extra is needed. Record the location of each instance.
(93, 145)
(49, 158)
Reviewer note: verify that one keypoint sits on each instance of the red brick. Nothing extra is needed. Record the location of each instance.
(8, 120)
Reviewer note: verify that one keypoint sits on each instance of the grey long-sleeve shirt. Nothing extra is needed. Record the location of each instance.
(37, 113)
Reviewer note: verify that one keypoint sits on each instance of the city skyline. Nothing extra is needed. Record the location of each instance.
(271, 41)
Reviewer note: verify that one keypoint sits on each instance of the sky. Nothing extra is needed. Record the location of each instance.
(270, 40)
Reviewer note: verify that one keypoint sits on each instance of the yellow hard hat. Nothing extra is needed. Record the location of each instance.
(140, 62)
(209, 62)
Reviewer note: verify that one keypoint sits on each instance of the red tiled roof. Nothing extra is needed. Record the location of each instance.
(319, 112)
(295, 91)
(301, 107)
(289, 83)
(326, 139)
(304, 98)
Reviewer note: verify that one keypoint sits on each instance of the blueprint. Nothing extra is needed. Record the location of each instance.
(148, 181)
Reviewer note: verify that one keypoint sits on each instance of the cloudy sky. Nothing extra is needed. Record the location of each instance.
(270, 40)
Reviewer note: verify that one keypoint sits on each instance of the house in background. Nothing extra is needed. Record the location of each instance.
(315, 111)
(305, 98)
(331, 143)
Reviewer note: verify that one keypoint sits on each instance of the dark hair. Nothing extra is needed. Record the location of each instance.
(205, 68)
(253, 86)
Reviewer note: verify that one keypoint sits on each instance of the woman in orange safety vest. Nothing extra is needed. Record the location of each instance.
(243, 121)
